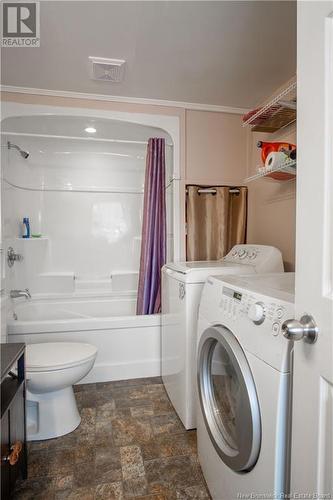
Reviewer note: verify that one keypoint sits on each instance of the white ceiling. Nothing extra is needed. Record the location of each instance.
(229, 53)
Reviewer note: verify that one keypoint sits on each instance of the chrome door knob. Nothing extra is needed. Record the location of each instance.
(305, 329)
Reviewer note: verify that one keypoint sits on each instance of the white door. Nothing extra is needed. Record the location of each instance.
(312, 441)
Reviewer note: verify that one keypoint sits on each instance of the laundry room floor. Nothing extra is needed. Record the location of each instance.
(130, 443)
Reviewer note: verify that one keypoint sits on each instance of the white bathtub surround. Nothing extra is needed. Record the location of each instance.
(84, 195)
(128, 345)
(51, 370)
(115, 281)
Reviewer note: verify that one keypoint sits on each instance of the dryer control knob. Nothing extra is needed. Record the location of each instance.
(257, 313)
(242, 254)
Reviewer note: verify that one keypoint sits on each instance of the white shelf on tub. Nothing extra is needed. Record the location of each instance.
(42, 238)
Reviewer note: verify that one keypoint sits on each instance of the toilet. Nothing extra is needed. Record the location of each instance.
(51, 370)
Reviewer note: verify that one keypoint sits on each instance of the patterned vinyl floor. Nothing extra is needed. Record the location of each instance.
(130, 443)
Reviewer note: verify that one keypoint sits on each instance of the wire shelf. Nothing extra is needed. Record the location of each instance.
(276, 114)
(289, 168)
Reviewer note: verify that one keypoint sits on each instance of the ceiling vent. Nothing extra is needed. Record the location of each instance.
(109, 70)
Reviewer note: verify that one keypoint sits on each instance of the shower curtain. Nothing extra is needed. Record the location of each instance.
(215, 222)
(153, 243)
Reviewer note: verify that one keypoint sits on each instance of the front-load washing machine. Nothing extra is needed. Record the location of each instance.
(182, 283)
(244, 380)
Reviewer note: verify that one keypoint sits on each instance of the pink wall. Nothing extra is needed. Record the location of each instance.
(215, 148)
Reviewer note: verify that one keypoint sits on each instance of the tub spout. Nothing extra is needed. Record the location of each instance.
(15, 294)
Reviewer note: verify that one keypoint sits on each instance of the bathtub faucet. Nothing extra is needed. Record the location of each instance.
(15, 294)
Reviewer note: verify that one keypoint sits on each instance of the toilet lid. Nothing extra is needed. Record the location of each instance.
(57, 355)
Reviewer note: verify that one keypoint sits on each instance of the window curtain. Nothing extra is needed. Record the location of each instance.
(215, 222)
(153, 243)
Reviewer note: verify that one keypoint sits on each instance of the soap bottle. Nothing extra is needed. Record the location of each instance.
(26, 227)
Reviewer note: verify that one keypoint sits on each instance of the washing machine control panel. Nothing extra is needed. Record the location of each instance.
(243, 253)
(235, 304)
(263, 258)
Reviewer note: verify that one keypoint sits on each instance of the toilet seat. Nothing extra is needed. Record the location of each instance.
(57, 355)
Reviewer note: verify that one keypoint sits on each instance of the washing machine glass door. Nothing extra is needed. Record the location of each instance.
(228, 399)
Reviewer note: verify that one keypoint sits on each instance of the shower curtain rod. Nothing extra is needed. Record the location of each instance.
(213, 191)
(92, 139)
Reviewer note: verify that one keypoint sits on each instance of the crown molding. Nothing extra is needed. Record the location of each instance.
(127, 100)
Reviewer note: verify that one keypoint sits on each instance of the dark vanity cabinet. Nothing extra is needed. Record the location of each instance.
(13, 425)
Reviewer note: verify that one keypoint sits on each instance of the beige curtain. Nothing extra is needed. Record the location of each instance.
(215, 222)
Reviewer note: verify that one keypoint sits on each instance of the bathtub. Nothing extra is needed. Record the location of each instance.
(128, 345)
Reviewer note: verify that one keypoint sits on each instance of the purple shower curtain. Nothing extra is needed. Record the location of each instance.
(153, 243)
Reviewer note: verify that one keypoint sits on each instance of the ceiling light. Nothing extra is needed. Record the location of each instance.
(90, 130)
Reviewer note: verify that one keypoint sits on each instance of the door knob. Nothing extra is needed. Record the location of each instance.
(305, 329)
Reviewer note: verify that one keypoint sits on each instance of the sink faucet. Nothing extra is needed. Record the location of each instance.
(15, 294)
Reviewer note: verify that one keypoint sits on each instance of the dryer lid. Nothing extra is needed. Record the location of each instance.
(198, 271)
(57, 355)
(242, 259)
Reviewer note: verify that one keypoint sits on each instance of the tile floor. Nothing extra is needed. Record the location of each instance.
(130, 443)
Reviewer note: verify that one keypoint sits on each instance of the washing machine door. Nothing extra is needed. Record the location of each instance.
(228, 399)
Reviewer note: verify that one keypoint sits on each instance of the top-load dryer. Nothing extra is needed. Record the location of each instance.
(182, 283)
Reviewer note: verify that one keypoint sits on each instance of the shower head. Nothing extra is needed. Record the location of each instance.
(24, 154)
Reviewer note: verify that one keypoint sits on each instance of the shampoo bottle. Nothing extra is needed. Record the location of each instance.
(26, 227)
